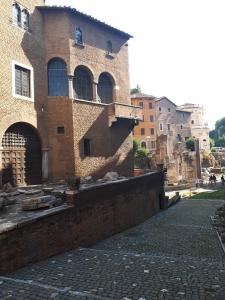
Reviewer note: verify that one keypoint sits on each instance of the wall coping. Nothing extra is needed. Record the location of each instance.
(10, 226)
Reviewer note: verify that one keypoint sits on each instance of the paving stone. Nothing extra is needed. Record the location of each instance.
(174, 255)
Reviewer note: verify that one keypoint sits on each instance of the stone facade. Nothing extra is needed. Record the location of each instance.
(51, 34)
(199, 127)
(145, 131)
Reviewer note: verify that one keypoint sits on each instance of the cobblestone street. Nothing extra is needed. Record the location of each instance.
(173, 255)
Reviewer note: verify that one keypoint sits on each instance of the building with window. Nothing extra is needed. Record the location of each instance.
(145, 131)
(175, 124)
(65, 107)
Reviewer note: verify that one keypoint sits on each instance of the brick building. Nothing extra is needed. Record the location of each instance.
(64, 95)
(145, 131)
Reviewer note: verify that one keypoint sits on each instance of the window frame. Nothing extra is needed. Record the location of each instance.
(160, 126)
(31, 69)
(142, 131)
(77, 41)
(152, 131)
(151, 118)
(89, 152)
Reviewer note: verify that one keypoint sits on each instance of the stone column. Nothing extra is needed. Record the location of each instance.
(198, 160)
(70, 86)
(95, 91)
(45, 164)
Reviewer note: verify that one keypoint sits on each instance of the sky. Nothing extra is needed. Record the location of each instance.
(178, 49)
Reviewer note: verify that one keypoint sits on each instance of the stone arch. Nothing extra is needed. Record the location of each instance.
(83, 83)
(21, 156)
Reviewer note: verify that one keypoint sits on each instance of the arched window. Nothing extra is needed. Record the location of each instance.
(109, 47)
(78, 36)
(82, 84)
(57, 78)
(16, 14)
(105, 88)
(25, 19)
(143, 145)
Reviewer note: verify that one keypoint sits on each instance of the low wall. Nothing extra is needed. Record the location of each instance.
(93, 214)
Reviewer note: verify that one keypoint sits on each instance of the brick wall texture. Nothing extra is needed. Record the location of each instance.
(94, 215)
(52, 35)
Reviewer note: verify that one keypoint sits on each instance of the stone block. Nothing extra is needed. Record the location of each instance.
(39, 202)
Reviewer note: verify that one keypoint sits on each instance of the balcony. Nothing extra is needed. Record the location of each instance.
(124, 111)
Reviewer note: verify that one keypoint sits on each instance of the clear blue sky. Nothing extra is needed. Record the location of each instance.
(178, 48)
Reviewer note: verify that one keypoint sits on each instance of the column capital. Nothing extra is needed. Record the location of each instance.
(95, 82)
(70, 77)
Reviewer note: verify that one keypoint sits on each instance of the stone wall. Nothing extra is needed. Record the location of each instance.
(93, 214)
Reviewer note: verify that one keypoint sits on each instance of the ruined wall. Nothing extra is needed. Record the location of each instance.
(96, 213)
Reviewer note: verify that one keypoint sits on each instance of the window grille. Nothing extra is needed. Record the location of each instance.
(22, 81)
(105, 88)
(57, 78)
(82, 84)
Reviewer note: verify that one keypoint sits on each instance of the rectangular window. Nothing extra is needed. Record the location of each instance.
(168, 126)
(87, 147)
(22, 81)
(153, 144)
(150, 105)
(142, 131)
(152, 131)
(151, 118)
(160, 127)
(60, 130)
(141, 104)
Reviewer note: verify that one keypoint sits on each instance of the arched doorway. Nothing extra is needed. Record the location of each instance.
(21, 155)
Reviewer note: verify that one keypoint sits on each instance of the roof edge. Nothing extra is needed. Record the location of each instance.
(74, 10)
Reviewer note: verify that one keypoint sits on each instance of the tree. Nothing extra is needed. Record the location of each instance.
(190, 144)
(135, 90)
(135, 146)
(220, 127)
(220, 142)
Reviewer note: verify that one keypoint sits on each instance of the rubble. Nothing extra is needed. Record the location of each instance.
(38, 202)
(111, 176)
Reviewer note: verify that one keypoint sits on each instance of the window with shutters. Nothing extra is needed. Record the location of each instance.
(22, 80)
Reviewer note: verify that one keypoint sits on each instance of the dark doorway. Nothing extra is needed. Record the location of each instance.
(21, 155)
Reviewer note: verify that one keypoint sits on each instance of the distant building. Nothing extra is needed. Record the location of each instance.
(145, 131)
(175, 124)
(199, 128)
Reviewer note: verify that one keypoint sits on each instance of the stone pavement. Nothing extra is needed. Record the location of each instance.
(174, 255)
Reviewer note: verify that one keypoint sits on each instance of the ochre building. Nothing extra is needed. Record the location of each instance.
(65, 107)
(145, 131)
